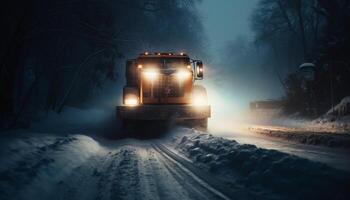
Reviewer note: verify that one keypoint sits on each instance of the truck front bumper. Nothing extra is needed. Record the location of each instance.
(163, 112)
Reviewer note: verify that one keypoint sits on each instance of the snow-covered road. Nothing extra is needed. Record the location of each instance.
(82, 167)
(48, 163)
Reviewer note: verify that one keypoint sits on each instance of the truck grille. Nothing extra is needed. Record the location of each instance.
(165, 86)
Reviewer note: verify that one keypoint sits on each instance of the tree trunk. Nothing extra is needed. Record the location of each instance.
(299, 8)
(11, 22)
(76, 79)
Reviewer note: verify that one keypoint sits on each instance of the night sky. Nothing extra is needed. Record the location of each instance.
(225, 20)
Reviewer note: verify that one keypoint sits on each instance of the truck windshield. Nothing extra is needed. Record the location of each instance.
(165, 62)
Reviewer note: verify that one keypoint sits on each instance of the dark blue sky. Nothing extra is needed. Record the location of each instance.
(224, 20)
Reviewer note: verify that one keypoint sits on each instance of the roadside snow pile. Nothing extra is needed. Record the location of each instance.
(339, 117)
(260, 169)
(342, 109)
(331, 129)
(36, 162)
(305, 136)
(336, 120)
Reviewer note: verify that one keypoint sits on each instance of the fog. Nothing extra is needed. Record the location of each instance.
(223, 21)
(236, 72)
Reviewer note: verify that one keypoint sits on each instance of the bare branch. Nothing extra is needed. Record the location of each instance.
(285, 16)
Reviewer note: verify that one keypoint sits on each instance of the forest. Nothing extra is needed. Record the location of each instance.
(288, 33)
(297, 32)
(59, 53)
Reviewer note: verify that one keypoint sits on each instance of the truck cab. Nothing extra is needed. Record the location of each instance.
(161, 86)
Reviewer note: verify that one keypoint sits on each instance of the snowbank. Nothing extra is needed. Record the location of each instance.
(36, 162)
(331, 129)
(255, 168)
(336, 118)
(342, 109)
(305, 135)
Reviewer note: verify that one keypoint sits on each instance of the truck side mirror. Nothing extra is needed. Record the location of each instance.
(199, 70)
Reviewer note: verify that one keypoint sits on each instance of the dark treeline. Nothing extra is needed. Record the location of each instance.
(315, 31)
(57, 53)
(288, 33)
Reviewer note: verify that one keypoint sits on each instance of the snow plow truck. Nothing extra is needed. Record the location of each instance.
(160, 87)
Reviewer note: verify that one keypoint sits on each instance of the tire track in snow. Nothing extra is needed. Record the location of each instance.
(196, 188)
(204, 179)
(128, 173)
(106, 181)
(157, 182)
(150, 175)
(121, 180)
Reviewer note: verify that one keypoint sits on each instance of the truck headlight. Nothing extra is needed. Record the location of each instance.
(131, 100)
(199, 100)
(151, 74)
(182, 75)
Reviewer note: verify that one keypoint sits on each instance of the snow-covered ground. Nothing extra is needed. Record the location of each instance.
(337, 118)
(69, 157)
(81, 167)
(33, 165)
(185, 164)
(305, 136)
(335, 157)
(331, 129)
(264, 170)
